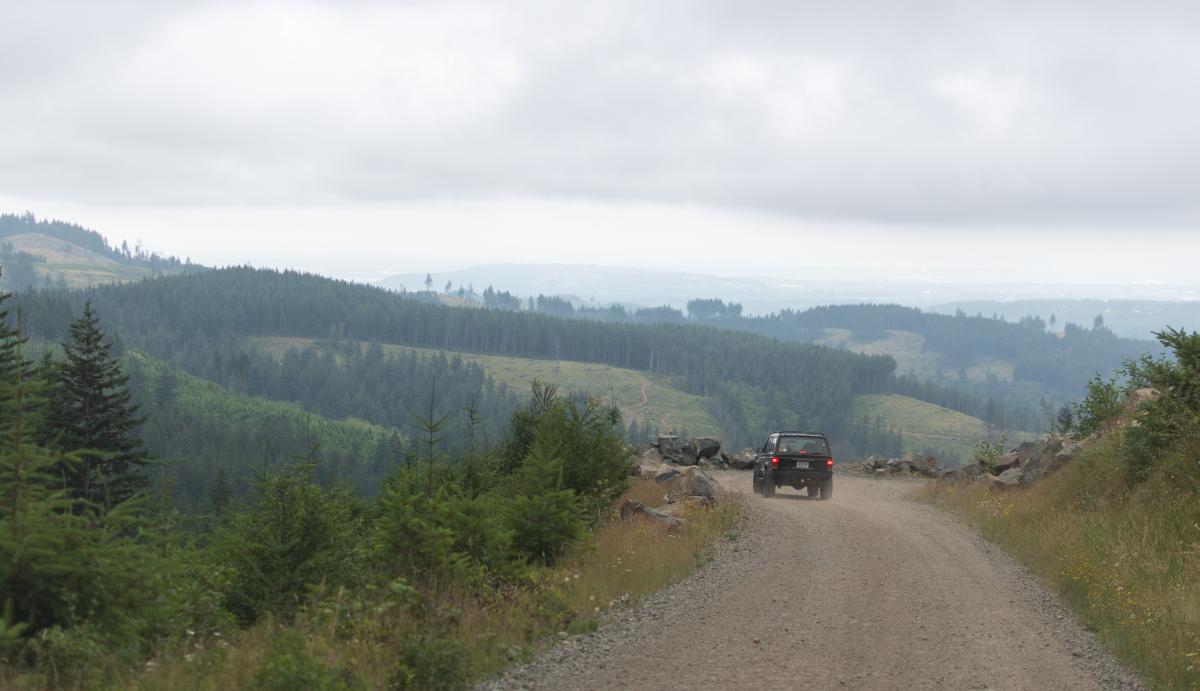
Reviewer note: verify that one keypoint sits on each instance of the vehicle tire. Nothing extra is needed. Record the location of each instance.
(814, 491)
(827, 489)
(756, 483)
(768, 486)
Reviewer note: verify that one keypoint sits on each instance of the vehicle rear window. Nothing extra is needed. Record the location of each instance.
(812, 446)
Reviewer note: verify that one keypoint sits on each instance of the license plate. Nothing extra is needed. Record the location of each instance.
(803, 465)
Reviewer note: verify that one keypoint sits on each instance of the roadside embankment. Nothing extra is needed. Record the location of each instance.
(1125, 556)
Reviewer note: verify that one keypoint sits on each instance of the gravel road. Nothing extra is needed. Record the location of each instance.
(868, 591)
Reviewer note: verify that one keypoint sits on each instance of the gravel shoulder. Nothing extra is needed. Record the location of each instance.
(870, 590)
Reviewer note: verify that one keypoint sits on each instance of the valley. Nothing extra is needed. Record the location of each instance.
(655, 402)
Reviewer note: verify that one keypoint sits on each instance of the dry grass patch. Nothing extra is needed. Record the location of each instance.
(1126, 558)
(631, 558)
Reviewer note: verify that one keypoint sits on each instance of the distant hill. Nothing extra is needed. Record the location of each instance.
(761, 290)
(603, 285)
(1016, 372)
(1129, 318)
(656, 404)
(653, 402)
(40, 253)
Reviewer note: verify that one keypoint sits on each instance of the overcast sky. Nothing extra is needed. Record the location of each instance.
(1042, 141)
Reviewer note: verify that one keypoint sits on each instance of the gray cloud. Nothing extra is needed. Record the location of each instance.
(1050, 113)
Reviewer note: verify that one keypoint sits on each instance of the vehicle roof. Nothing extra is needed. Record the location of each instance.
(802, 434)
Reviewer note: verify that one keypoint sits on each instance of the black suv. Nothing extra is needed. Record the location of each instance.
(796, 459)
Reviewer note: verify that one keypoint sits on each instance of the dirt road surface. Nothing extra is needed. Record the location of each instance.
(870, 590)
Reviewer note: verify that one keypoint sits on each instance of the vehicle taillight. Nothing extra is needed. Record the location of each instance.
(829, 463)
(775, 461)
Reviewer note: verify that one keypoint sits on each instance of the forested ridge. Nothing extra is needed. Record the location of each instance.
(1048, 365)
(1063, 362)
(1059, 359)
(185, 320)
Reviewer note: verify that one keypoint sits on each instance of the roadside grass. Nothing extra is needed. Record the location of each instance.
(351, 640)
(1126, 559)
(666, 408)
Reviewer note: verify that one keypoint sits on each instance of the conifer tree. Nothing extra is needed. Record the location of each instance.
(58, 568)
(11, 341)
(92, 410)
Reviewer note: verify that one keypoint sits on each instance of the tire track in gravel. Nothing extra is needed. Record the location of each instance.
(868, 591)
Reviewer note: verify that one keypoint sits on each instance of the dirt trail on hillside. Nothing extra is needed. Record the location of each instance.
(870, 590)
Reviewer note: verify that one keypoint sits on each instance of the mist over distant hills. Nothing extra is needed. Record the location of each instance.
(1132, 310)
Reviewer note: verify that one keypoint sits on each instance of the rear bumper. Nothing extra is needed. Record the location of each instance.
(793, 477)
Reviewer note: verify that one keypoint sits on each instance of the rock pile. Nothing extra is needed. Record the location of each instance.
(1022, 466)
(703, 451)
(739, 460)
(682, 488)
(918, 465)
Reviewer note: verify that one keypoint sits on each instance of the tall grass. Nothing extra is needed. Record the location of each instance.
(351, 640)
(1125, 557)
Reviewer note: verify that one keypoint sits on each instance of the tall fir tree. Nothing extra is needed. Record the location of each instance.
(11, 341)
(92, 409)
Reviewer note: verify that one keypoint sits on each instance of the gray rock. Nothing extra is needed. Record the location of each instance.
(1006, 480)
(739, 460)
(632, 508)
(1010, 460)
(665, 473)
(706, 447)
(692, 482)
(666, 441)
(676, 450)
(646, 463)
(1045, 461)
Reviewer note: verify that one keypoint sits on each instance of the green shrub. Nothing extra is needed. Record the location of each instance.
(545, 518)
(289, 667)
(1174, 415)
(986, 453)
(595, 460)
(293, 536)
(411, 539)
(478, 530)
(70, 656)
(433, 664)
(1101, 405)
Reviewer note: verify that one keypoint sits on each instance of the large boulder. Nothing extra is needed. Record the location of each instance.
(632, 508)
(664, 473)
(646, 463)
(682, 507)
(1012, 459)
(675, 450)
(706, 447)
(739, 460)
(1043, 462)
(1006, 480)
(963, 473)
(692, 482)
